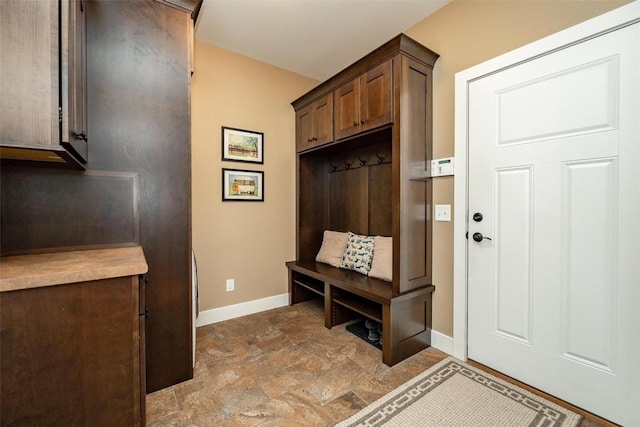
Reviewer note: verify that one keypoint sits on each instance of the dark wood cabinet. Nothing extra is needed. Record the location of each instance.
(139, 113)
(136, 189)
(359, 105)
(314, 124)
(374, 179)
(377, 181)
(72, 349)
(43, 103)
(74, 79)
(365, 102)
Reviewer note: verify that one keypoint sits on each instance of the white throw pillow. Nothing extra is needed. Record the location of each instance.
(333, 246)
(382, 264)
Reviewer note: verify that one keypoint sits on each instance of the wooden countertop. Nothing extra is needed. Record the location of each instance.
(49, 269)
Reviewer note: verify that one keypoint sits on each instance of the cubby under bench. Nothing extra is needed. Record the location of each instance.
(405, 318)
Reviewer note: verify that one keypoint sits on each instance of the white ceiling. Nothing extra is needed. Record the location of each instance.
(315, 38)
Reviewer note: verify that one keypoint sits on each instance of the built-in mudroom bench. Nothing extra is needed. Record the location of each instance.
(405, 319)
(364, 147)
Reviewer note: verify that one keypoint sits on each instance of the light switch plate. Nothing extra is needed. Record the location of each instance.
(443, 213)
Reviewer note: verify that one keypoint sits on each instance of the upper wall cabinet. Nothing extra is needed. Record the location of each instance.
(43, 85)
(365, 102)
(362, 103)
(314, 124)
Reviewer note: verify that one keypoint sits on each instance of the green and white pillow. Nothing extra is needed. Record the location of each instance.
(359, 253)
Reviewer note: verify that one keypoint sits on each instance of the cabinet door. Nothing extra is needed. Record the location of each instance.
(74, 78)
(304, 128)
(375, 97)
(346, 100)
(29, 70)
(70, 355)
(322, 121)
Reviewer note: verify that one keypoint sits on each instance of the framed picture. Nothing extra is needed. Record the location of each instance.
(242, 145)
(242, 185)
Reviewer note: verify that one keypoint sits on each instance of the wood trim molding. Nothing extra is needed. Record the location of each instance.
(192, 7)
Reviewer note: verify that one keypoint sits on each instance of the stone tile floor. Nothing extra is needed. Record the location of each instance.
(282, 367)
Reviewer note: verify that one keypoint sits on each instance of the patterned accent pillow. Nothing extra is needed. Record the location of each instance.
(359, 253)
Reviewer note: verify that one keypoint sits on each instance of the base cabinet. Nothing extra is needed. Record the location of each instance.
(73, 355)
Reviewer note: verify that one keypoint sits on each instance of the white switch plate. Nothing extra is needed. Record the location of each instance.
(230, 285)
(443, 213)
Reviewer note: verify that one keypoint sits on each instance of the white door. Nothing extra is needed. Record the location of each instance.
(554, 170)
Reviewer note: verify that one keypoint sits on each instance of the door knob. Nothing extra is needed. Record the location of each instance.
(478, 237)
(477, 217)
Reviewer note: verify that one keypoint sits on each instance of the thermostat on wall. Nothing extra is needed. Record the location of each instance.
(442, 167)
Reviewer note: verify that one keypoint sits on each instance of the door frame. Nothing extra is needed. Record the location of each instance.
(608, 22)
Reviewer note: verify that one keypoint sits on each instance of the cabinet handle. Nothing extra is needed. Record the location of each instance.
(314, 138)
(146, 313)
(355, 123)
(309, 139)
(80, 135)
(362, 121)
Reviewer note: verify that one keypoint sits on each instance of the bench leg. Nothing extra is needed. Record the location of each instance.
(406, 328)
(327, 306)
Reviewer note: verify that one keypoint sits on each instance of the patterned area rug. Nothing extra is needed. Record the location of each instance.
(453, 393)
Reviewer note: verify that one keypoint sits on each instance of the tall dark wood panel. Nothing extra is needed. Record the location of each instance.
(138, 111)
(139, 118)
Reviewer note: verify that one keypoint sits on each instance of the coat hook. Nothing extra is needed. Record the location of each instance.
(381, 158)
(363, 162)
(347, 164)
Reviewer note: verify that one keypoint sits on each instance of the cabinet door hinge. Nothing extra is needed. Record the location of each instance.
(60, 114)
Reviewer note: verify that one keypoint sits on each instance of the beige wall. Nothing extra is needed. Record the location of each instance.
(251, 241)
(466, 33)
(245, 241)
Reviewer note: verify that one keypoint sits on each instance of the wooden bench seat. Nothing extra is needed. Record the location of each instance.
(405, 318)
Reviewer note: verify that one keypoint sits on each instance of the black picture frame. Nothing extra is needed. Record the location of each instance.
(242, 185)
(240, 145)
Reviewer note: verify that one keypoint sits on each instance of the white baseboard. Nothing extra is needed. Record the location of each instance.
(442, 342)
(439, 341)
(243, 309)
